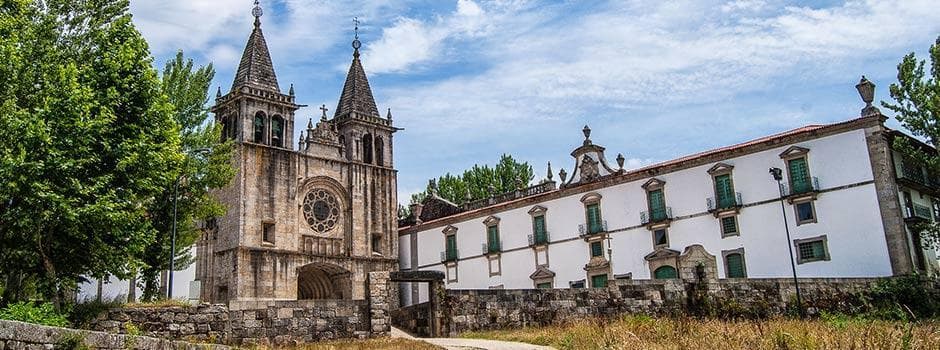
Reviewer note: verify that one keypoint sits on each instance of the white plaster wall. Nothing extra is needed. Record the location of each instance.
(850, 218)
(118, 288)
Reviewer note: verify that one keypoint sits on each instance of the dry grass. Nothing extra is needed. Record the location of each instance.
(687, 333)
(367, 344)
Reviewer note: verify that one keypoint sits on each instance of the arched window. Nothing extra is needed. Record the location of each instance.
(367, 148)
(259, 127)
(379, 151)
(665, 272)
(277, 131)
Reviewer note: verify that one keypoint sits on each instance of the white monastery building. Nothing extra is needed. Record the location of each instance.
(845, 199)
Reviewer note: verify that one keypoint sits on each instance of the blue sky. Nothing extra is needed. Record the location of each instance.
(655, 80)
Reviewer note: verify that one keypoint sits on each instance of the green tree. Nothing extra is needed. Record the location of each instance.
(480, 181)
(207, 166)
(86, 137)
(917, 104)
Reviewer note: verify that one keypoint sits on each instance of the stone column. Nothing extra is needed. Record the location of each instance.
(435, 292)
(380, 319)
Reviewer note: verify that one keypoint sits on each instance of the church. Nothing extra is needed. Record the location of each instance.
(305, 220)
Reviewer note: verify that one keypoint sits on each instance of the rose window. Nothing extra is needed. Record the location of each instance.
(320, 210)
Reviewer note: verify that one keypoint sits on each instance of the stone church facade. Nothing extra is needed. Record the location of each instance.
(302, 223)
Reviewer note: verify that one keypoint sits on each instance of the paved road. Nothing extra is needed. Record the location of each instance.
(471, 344)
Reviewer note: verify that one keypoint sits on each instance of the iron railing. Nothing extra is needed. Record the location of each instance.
(724, 202)
(800, 187)
(656, 215)
(450, 255)
(594, 228)
(492, 247)
(538, 238)
(917, 212)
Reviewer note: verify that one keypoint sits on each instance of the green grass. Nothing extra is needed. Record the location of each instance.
(639, 332)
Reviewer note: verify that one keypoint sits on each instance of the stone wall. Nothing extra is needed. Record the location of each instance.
(473, 310)
(414, 319)
(26, 336)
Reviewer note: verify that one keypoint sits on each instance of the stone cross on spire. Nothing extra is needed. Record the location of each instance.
(324, 109)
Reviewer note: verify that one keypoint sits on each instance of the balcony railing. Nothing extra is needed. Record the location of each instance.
(450, 255)
(538, 238)
(656, 215)
(492, 247)
(724, 202)
(910, 171)
(917, 212)
(800, 187)
(592, 229)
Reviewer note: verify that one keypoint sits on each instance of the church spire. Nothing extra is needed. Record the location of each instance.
(255, 68)
(357, 95)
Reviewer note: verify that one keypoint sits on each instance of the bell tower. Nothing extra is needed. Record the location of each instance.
(255, 110)
(367, 139)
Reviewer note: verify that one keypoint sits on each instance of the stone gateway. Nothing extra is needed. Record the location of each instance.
(302, 223)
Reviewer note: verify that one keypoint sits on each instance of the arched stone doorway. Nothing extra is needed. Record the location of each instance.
(323, 281)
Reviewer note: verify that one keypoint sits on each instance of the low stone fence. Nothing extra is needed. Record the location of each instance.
(414, 319)
(261, 322)
(488, 309)
(26, 336)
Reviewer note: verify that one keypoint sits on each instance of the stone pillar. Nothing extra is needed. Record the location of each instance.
(879, 152)
(380, 319)
(435, 293)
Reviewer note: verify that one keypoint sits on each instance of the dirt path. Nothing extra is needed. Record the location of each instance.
(471, 344)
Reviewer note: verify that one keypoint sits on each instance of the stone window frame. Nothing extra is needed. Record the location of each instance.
(490, 260)
(653, 236)
(661, 257)
(492, 221)
(719, 170)
(591, 249)
(535, 212)
(449, 231)
(282, 137)
(796, 212)
(588, 200)
(795, 152)
(724, 259)
(266, 238)
(650, 186)
(821, 238)
(543, 275)
(737, 226)
(590, 279)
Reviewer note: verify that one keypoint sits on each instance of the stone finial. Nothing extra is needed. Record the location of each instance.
(432, 186)
(291, 92)
(620, 160)
(492, 189)
(866, 89)
(257, 12)
(587, 132)
(300, 144)
(310, 124)
(469, 196)
(389, 115)
(563, 174)
(549, 172)
(218, 93)
(416, 209)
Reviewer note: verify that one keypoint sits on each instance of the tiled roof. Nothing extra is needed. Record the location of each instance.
(357, 96)
(255, 68)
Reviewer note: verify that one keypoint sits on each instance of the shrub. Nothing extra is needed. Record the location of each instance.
(71, 341)
(901, 297)
(44, 314)
(81, 314)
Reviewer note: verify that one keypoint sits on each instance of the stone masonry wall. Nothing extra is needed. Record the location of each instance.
(488, 309)
(26, 336)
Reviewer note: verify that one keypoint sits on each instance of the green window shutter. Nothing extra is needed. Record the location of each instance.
(594, 218)
(451, 247)
(599, 281)
(665, 272)
(544, 285)
(819, 252)
(735, 265)
(538, 224)
(597, 249)
(657, 205)
(799, 175)
(724, 190)
(493, 238)
(729, 225)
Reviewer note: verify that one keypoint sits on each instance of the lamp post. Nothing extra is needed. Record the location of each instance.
(610, 258)
(176, 186)
(778, 175)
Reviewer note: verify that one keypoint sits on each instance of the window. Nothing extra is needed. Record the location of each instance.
(734, 265)
(492, 239)
(599, 281)
(267, 233)
(657, 204)
(724, 192)
(660, 238)
(379, 151)
(665, 272)
(594, 218)
(799, 176)
(377, 244)
(367, 148)
(538, 229)
(805, 213)
(544, 285)
(259, 127)
(576, 284)
(811, 249)
(451, 248)
(277, 131)
(597, 249)
(729, 226)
